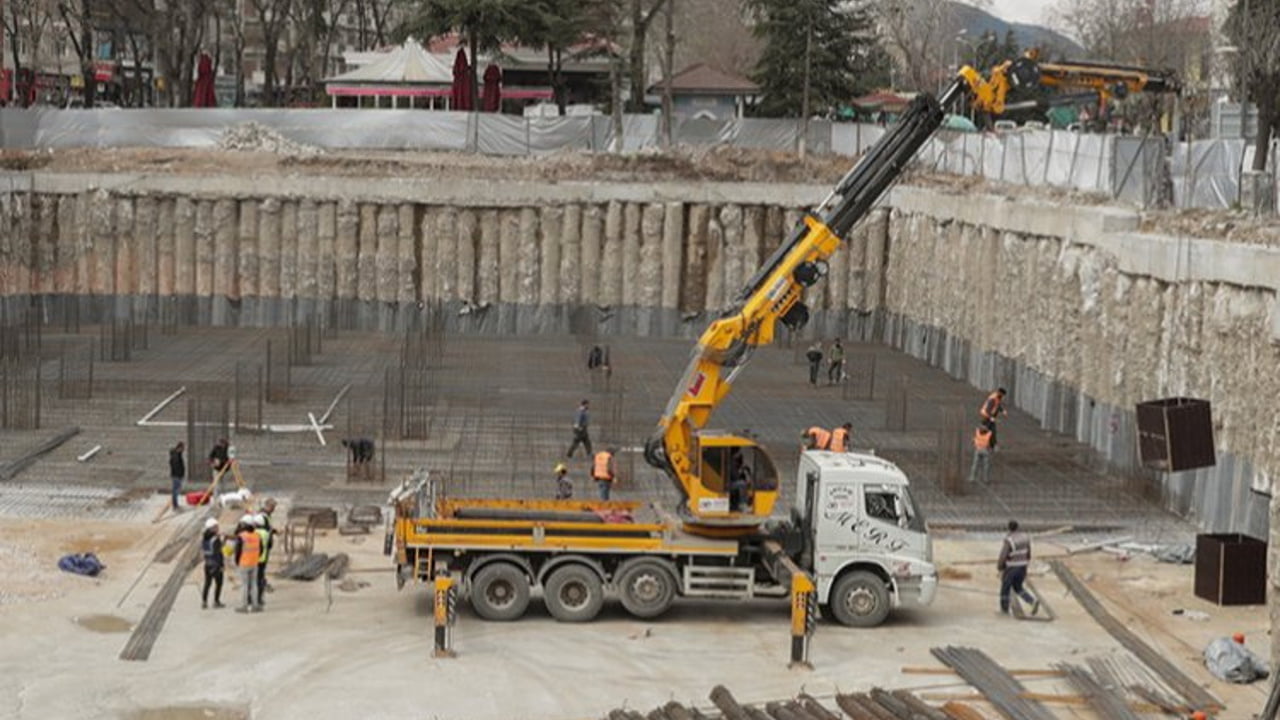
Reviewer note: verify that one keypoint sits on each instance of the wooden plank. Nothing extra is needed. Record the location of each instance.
(926, 670)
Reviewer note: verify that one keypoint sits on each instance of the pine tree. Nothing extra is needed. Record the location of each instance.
(835, 36)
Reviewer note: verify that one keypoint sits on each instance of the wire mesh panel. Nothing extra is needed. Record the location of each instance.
(208, 421)
(75, 370)
(304, 341)
(951, 451)
(249, 394)
(23, 338)
(859, 382)
(895, 412)
(20, 392)
(365, 453)
(116, 340)
(278, 370)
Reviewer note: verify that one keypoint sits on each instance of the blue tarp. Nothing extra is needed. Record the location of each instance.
(81, 564)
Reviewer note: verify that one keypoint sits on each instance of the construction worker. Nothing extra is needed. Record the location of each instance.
(992, 408)
(814, 356)
(564, 486)
(840, 438)
(982, 436)
(816, 438)
(177, 472)
(1015, 555)
(220, 455)
(211, 549)
(835, 371)
(262, 528)
(602, 471)
(581, 433)
(248, 548)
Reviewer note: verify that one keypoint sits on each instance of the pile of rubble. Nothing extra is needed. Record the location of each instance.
(254, 137)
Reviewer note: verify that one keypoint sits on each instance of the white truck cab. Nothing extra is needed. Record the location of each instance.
(868, 545)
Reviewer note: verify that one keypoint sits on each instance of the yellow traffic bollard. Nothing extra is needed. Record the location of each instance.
(445, 614)
(804, 601)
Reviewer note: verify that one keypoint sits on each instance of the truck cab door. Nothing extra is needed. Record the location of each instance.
(893, 523)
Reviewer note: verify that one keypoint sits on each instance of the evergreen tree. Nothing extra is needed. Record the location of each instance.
(836, 38)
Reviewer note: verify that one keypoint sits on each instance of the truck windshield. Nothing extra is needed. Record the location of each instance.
(915, 517)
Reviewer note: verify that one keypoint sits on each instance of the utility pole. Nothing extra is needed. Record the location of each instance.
(803, 140)
(668, 59)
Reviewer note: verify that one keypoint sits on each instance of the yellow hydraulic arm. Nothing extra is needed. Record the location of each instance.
(1098, 80)
(727, 482)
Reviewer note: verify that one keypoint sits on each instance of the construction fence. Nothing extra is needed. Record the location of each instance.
(1146, 171)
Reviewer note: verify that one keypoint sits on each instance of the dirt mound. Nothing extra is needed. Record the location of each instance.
(254, 137)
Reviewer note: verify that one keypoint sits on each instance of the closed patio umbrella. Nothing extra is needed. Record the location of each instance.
(203, 95)
(492, 98)
(461, 94)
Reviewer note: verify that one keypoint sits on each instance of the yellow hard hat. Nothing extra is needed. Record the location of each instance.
(560, 468)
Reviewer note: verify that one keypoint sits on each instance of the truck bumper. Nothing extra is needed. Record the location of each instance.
(917, 590)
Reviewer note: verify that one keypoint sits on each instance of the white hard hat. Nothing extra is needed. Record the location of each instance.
(210, 523)
(259, 520)
(247, 519)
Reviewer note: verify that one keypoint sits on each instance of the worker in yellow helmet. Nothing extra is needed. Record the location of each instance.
(564, 486)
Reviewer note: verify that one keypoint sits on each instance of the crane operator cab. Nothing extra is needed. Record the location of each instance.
(738, 484)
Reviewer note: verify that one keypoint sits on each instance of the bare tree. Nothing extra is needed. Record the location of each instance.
(919, 34)
(231, 14)
(731, 48)
(642, 14)
(273, 17)
(25, 23)
(1254, 28)
(374, 21)
(78, 20)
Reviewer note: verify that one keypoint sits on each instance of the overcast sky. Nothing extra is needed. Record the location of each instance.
(1027, 11)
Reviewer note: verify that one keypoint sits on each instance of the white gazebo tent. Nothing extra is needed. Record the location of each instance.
(408, 71)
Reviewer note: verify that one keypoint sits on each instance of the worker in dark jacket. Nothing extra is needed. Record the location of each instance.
(211, 549)
(177, 471)
(992, 408)
(220, 455)
(1015, 555)
(581, 431)
(814, 356)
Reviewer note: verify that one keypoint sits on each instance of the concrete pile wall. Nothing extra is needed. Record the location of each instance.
(1079, 316)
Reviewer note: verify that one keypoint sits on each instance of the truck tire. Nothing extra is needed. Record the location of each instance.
(859, 599)
(574, 593)
(646, 587)
(500, 591)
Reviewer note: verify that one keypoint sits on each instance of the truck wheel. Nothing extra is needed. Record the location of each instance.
(860, 599)
(646, 587)
(500, 592)
(574, 594)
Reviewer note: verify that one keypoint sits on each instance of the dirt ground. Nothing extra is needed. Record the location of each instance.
(359, 647)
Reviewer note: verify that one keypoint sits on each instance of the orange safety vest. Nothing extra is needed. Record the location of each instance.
(995, 403)
(839, 440)
(820, 437)
(600, 470)
(982, 439)
(250, 548)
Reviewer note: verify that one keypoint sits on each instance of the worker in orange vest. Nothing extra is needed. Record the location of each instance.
(991, 408)
(982, 439)
(816, 438)
(840, 438)
(602, 471)
(248, 551)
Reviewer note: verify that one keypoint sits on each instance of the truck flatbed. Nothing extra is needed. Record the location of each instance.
(557, 526)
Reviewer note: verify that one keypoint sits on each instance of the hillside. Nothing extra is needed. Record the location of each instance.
(976, 21)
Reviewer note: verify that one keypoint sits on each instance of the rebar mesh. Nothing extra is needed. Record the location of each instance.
(208, 421)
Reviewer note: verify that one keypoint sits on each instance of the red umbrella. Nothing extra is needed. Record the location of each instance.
(492, 97)
(461, 81)
(204, 96)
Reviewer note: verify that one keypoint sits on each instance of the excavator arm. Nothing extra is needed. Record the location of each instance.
(727, 482)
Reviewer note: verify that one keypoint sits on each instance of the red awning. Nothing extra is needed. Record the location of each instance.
(386, 91)
(511, 93)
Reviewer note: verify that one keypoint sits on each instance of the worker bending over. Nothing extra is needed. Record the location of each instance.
(840, 438)
(991, 408)
(816, 438)
(982, 438)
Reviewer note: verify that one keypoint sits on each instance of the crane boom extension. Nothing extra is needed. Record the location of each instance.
(727, 482)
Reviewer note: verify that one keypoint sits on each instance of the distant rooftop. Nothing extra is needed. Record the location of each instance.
(700, 79)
